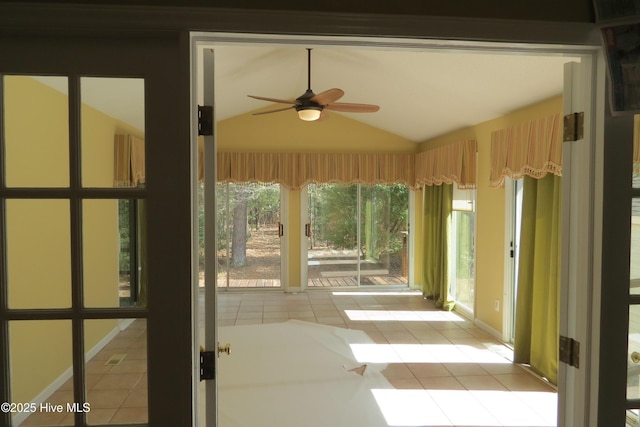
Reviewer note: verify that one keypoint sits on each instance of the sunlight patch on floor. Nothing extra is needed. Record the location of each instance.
(424, 353)
(402, 315)
(381, 293)
(484, 408)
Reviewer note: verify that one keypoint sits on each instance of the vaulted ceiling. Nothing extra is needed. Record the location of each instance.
(421, 93)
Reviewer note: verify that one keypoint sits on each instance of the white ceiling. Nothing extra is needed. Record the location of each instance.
(422, 94)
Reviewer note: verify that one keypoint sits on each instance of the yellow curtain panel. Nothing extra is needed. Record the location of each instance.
(636, 144)
(532, 148)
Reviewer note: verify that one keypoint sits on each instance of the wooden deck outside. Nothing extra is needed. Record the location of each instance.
(332, 282)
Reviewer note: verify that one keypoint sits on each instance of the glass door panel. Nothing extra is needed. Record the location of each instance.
(113, 151)
(248, 235)
(116, 371)
(113, 253)
(333, 252)
(36, 131)
(463, 258)
(38, 253)
(383, 234)
(634, 279)
(41, 379)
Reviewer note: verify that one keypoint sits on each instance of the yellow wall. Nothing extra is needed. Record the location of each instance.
(38, 231)
(490, 229)
(284, 132)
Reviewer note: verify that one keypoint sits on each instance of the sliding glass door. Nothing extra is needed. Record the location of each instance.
(357, 235)
(249, 234)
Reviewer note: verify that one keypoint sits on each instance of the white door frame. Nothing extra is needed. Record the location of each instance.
(578, 385)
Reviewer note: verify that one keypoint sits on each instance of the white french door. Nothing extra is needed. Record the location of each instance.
(59, 266)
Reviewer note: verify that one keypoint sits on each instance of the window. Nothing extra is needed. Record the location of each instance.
(462, 248)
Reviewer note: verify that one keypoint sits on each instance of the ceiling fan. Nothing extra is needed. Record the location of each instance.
(311, 107)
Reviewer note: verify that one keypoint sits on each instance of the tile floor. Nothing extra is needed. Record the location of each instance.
(445, 370)
(436, 360)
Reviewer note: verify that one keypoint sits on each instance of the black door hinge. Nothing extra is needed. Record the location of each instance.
(205, 120)
(569, 351)
(573, 129)
(207, 365)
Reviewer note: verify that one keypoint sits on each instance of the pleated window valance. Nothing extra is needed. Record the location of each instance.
(129, 161)
(448, 164)
(294, 170)
(532, 148)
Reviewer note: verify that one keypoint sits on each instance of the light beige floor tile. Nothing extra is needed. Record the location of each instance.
(130, 416)
(130, 366)
(522, 382)
(441, 383)
(118, 382)
(106, 399)
(465, 369)
(425, 370)
(397, 371)
(480, 382)
(100, 416)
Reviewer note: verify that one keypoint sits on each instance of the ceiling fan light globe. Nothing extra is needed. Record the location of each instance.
(309, 114)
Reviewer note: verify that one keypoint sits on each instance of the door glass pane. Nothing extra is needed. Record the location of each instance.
(113, 253)
(333, 242)
(38, 253)
(223, 237)
(384, 211)
(41, 387)
(462, 257)
(36, 130)
(633, 361)
(248, 235)
(112, 132)
(116, 371)
(634, 281)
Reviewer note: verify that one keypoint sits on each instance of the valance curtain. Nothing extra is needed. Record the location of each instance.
(532, 148)
(448, 164)
(129, 161)
(295, 170)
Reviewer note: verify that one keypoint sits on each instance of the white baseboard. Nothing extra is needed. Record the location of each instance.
(488, 329)
(66, 375)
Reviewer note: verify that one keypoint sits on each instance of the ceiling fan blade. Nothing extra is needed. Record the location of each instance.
(281, 101)
(328, 96)
(273, 111)
(324, 115)
(348, 107)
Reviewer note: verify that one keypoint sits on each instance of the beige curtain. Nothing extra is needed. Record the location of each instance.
(532, 148)
(448, 164)
(294, 170)
(129, 161)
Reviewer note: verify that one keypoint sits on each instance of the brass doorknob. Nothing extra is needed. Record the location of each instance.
(635, 357)
(224, 348)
